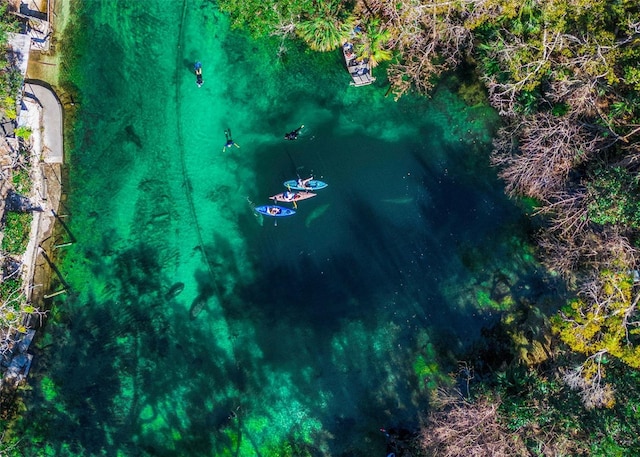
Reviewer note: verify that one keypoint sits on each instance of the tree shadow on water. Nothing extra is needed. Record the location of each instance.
(129, 374)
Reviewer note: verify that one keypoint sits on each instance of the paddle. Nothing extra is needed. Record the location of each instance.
(295, 205)
(275, 219)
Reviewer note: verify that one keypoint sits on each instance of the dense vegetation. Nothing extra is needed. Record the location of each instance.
(564, 76)
(10, 78)
(15, 224)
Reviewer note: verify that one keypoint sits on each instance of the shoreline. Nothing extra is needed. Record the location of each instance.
(47, 193)
(46, 171)
(43, 113)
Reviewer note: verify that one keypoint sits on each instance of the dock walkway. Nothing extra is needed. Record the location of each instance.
(360, 70)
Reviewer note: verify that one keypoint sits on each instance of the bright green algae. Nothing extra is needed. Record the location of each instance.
(312, 332)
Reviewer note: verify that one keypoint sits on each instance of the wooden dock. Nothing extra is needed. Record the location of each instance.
(360, 70)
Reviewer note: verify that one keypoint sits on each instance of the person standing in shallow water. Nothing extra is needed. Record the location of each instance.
(198, 69)
(229, 140)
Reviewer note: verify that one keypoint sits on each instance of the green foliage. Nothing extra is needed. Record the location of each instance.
(608, 448)
(632, 77)
(371, 44)
(560, 109)
(21, 181)
(8, 287)
(616, 431)
(263, 18)
(540, 410)
(8, 23)
(528, 101)
(16, 232)
(326, 29)
(602, 325)
(9, 446)
(10, 76)
(542, 413)
(614, 197)
(23, 132)
(322, 25)
(9, 107)
(520, 44)
(10, 318)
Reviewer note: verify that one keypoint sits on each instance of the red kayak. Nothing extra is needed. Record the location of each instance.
(293, 196)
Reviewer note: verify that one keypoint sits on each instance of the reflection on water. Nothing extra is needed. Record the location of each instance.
(197, 327)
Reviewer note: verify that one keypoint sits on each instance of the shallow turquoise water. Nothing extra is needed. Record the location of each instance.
(315, 329)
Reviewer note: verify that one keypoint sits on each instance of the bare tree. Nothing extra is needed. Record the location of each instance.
(429, 36)
(470, 430)
(527, 61)
(13, 313)
(594, 391)
(11, 319)
(580, 94)
(548, 149)
(568, 213)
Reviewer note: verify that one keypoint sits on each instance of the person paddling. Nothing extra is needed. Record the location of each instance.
(304, 183)
(289, 196)
(293, 135)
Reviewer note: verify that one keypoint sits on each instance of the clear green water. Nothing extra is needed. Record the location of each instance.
(316, 330)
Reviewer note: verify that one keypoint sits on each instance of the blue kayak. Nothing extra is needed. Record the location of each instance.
(275, 210)
(314, 184)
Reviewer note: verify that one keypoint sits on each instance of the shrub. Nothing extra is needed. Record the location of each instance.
(16, 232)
(23, 132)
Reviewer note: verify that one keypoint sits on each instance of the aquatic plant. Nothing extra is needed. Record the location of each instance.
(49, 389)
(289, 448)
(426, 366)
(473, 93)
